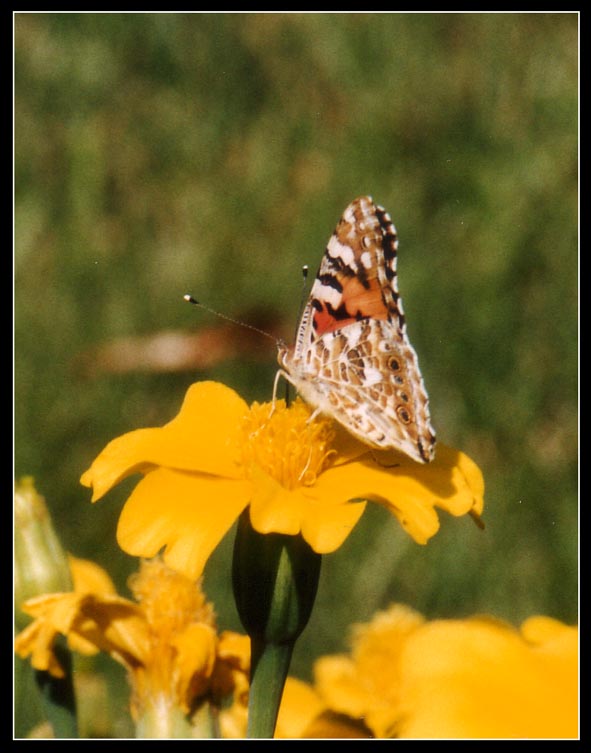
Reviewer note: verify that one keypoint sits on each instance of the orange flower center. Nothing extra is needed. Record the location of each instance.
(284, 443)
(169, 600)
(171, 675)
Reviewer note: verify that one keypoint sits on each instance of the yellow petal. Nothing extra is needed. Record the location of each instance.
(114, 625)
(196, 653)
(88, 577)
(346, 446)
(487, 682)
(107, 622)
(303, 714)
(186, 513)
(541, 630)
(60, 610)
(324, 523)
(204, 436)
(82, 645)
(366, 684)
(232, 668)
(409, 490)
(326, 526)
(273, 508)
(340, 684)
(300, 705)
(36, 641)
(235, 649)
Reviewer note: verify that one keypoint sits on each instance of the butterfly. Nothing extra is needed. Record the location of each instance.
(352, 359)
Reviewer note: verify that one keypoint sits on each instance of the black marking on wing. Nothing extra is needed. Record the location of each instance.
(331, 281)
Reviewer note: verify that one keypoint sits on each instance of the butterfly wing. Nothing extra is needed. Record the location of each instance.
(352, 358)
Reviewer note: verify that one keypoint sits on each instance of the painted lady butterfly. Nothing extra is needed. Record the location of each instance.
(352, 359)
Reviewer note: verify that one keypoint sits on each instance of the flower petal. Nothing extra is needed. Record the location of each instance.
(187, 513)
(339, 683)
(324, 523)
(234, 648)
(88, 577)
(326, 526)
(346, 446)
(366, 684)
(273, 508)
(196, 653)
(37, 641)
(488, 682)
(409, 490)
(300, 706)
(204, 436)
(115, 625)
(541, 630)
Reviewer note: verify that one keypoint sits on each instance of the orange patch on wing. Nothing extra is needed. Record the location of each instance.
(357, 301)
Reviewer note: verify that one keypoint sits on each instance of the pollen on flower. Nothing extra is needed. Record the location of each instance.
(169, 600)
(283, 442)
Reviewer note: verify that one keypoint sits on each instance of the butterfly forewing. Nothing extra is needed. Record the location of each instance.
(352, 358)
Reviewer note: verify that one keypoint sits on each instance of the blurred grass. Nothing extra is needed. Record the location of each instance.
(157, 154)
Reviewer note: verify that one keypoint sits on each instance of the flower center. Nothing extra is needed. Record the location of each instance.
(172, 674)
(284, 443)
(169, 600)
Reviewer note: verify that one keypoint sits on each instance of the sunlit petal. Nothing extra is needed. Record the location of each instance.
(203, 437)
(187, 514)
(488, 682)
(409, 490)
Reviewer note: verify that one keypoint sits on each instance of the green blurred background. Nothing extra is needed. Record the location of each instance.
(159, 154)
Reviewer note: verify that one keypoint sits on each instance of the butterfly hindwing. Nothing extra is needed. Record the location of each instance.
(352, 359)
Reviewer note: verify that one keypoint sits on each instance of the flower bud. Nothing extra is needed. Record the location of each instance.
(40, 563)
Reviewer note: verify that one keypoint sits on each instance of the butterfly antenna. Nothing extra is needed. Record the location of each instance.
(190, 299)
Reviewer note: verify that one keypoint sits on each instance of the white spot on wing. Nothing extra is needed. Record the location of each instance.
(372, 376)
(353, 335)
(366, 259)
(326, 294)
(338, 250)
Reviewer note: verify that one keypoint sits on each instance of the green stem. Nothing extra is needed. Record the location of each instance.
(270, 665)
(275, 579)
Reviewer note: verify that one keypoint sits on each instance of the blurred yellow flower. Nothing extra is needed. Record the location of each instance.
(491, 680)
(166, 638)
(299, 477)
(304, 715)
(365, 684)
(56, 613)
(473, 678)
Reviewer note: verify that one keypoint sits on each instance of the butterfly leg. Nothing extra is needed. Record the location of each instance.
(317, 412)
(280, 373)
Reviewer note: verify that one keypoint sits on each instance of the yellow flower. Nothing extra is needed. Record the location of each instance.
(298, 476)
(365, 685)
(491, 680)
(473, 678)
(303, 714)
(55, 613)
(166, 637)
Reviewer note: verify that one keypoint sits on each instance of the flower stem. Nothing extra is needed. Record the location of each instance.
(275, 579)
(270, 665)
